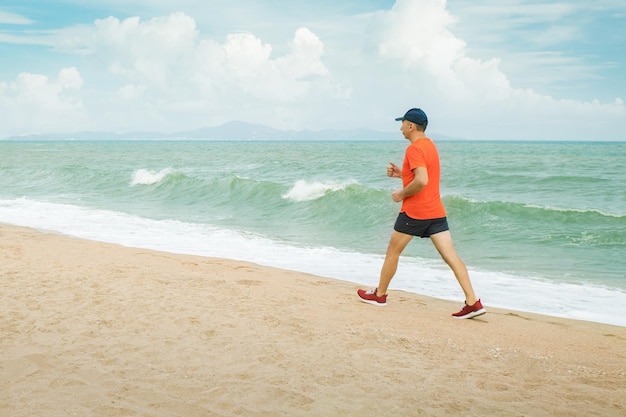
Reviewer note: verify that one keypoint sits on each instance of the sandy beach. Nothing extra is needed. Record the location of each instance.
(94, 329)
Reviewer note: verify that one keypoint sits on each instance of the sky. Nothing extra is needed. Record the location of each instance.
(480, 69)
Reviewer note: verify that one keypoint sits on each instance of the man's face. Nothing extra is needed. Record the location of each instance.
(405, 128)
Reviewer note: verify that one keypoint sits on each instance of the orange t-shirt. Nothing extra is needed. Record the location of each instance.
(427, 203)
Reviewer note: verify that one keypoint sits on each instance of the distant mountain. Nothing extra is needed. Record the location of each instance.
(227, 131)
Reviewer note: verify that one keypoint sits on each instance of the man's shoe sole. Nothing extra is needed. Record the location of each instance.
(472, 314)
(372, 302)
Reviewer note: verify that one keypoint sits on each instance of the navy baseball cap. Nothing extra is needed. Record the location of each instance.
(416, 116)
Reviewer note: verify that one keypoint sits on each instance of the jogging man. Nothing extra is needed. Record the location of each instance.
(422, 214)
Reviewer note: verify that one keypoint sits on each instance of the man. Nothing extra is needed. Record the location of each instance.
(422, 214)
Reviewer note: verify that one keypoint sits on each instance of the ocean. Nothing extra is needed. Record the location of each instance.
(540, 225)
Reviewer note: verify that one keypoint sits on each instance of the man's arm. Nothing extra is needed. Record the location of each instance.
(419, 182)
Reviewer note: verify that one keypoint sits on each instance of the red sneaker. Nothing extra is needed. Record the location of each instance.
(468, 312)
(370, 297)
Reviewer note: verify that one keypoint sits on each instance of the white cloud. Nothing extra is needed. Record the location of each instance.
(252, 70)
(34, 103)
(131, 91)
(70, 79)
(139, 50)
(417, 34)
(7, 18)
(305, 56)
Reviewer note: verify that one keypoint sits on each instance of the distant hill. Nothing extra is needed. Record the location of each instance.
(227, 131)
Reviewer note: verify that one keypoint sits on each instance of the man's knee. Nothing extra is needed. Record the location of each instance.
(398, 242)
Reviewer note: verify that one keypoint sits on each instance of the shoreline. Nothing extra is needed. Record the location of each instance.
(95, 328)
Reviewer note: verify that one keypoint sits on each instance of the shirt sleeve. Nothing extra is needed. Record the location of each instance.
(416, 157)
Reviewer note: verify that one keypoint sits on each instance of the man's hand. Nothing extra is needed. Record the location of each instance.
(393, 170)
(397, 196)
(419, 182)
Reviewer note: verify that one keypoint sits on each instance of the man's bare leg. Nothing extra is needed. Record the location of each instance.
(397, 243)
(443, 244)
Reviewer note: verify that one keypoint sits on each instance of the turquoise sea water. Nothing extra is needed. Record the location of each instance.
(541, 225)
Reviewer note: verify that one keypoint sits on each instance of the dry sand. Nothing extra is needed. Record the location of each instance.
(94, 329)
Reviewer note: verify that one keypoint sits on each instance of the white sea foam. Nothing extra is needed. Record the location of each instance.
(428, 277)
(304, 190)
(148, 177)
(574, 210)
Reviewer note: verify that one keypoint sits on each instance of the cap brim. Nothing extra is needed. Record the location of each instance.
(399, 118)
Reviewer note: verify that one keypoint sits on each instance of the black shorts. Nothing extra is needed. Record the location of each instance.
(422, 228)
